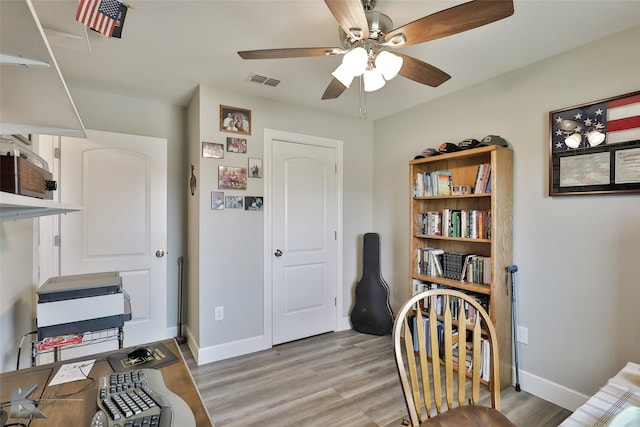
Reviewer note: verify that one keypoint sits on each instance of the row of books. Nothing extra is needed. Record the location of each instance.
(440, 183)
(484, 350)
(465, 223)
(465, 267)
(436, 183)
(483, 179)
(485, 353)
(470, 311)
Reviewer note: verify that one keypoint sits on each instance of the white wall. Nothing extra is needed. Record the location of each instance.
(578, 278)
(230, 248)
(17, 290)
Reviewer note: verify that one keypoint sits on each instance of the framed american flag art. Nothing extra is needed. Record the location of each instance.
(595, 147)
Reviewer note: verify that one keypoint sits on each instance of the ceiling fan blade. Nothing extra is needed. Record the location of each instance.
(350, 15)
(334, 90)
(454, 20)
(294, 52)
(421, 72)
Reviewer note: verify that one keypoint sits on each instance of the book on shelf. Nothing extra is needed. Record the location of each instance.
(478, 270)
(430, 223)
(464, 223)
(482, 177)
(436, 183)
(429, 261)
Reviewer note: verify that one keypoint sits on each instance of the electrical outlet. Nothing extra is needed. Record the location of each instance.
(219, 313)
(523, 335)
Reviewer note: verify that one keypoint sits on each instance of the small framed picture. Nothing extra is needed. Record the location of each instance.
(234, 202)
(217, 200)
(235, 120)
(232, 178)
(236, 145)
(255, 168)
(212, 150)
(253, 203)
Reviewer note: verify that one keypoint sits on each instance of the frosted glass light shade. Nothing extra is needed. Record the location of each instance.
(356, 61)
(595, 138)
(343, 75)
(389, 64)
(573, 141)
(373, 80)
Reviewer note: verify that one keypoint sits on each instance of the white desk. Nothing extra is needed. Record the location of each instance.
(620, 392)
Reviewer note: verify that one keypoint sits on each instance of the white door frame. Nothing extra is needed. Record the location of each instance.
(269, 136)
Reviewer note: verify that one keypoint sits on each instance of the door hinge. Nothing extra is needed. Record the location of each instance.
(335, 301)
(56, 152)
(335, 235)
(56, 240)
(335, 168)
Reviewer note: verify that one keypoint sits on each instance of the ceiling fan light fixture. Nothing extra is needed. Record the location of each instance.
(373, 80)
(356, 61)
(595, 137)
(573, 141)
(388, 64)
(343, 75)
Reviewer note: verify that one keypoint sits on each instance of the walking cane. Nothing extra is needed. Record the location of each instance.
(512, 270)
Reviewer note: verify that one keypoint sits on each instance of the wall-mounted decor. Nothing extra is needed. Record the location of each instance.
(212, 150)
(232, 178)
(255, 168)
(236, 145)
(253, 203)
(236, 120)
(217, 200)
(595, 147)
(234, 202)
(192, 181)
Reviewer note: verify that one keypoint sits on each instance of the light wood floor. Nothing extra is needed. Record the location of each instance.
(336, 379)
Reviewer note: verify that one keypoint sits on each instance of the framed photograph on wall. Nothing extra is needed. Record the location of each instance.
(235, 120)
(236, 145)
(595, 147)
(255, 168)
(232, 178)
(234, 202)
(217, 200)
(212, 150)
(253, 203)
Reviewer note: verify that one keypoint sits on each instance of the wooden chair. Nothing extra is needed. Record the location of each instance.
(428, 346)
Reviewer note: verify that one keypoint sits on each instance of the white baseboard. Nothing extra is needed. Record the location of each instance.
(553, 392)
(214, 353)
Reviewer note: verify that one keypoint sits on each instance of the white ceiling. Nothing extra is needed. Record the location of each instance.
(168, 47)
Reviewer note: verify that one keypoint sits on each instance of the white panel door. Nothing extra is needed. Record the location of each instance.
(121, 181)
(304, 224)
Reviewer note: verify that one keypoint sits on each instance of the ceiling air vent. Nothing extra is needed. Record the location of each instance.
(264, 80)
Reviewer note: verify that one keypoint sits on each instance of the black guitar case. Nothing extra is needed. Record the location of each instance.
(372, 313)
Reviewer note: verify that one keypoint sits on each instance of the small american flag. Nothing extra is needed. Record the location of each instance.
(100, 15)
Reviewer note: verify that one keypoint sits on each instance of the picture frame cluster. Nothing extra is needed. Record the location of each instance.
(233, 176)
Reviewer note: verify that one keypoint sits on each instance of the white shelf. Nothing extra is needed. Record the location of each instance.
(35, 100)
(13, 207)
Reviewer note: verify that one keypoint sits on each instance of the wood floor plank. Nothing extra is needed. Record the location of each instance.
(345, 379)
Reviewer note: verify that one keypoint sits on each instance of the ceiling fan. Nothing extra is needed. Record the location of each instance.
(367, 38)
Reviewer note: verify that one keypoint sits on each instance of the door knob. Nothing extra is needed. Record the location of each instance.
(278, 253)
(159, 253)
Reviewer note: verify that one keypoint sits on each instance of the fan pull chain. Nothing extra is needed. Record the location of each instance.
(363, 100)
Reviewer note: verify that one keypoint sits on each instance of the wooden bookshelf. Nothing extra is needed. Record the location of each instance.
(499, 246)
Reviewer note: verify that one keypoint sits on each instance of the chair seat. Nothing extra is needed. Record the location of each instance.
(469, 416)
